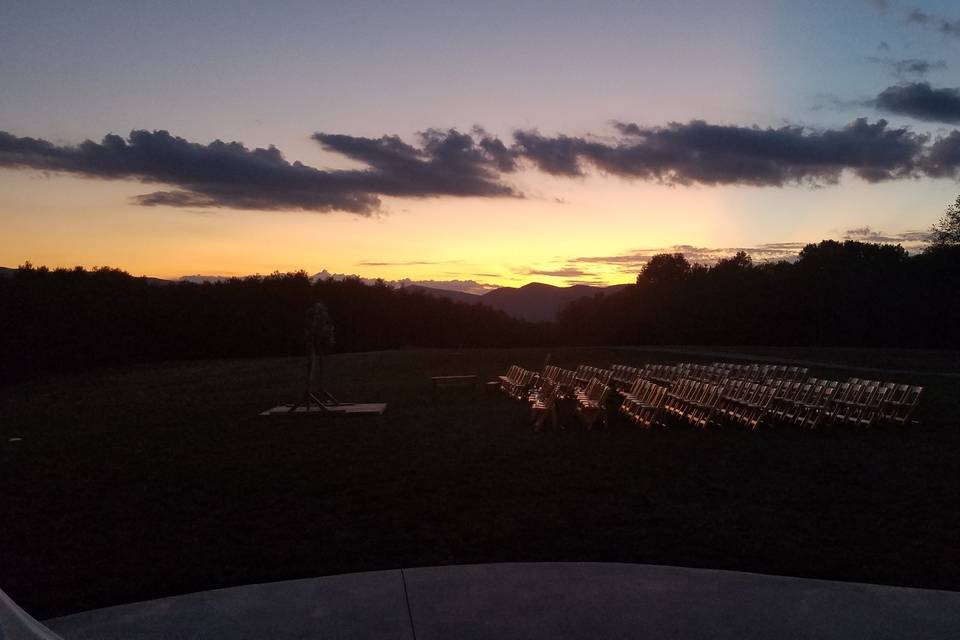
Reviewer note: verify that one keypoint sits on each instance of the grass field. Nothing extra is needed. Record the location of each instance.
(150, 481)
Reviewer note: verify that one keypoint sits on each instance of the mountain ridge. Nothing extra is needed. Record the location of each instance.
(534, 301)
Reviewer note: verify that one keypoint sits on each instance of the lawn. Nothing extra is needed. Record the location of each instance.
(149, 481)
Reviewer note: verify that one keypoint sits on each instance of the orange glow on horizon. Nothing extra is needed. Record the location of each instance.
(68, 221)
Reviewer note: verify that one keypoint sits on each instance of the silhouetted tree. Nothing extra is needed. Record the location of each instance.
(664, 268)
(946, 231)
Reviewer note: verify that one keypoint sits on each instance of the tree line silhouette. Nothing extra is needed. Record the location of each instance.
(835, 294)
(56, 320)
(842, 294)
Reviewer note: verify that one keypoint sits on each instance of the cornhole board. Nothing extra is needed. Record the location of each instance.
(353, 409)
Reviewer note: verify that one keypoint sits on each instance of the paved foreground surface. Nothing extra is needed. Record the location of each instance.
(533, 600)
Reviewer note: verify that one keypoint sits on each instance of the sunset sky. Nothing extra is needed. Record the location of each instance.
(491, 142)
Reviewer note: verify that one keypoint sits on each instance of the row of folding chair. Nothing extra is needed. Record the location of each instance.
(867, 402)
(692, 400)
(517, 381)
(643, 402)
(734, 401)
(778, 401)
(748, 403)
(746, 394)
(815, 403)
(541, 391)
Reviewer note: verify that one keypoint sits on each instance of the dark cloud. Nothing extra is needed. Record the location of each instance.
(558, 156)
(879, 5)
(446, 163)
(943, 159)
(220, 174)
(496, 150)
(702, 153)
(909, 66)
(228, 174)
(627, 128)
(921, 101)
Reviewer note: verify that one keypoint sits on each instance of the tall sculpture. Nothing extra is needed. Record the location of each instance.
(320, 340)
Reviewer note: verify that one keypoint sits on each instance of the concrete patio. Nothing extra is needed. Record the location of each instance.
(528, 600)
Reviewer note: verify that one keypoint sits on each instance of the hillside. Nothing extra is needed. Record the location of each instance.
(540, 302)
(536, 301)
(457, 296)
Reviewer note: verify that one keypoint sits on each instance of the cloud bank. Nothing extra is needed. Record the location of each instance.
(228, 174)
(455, 164)
(708, 154)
